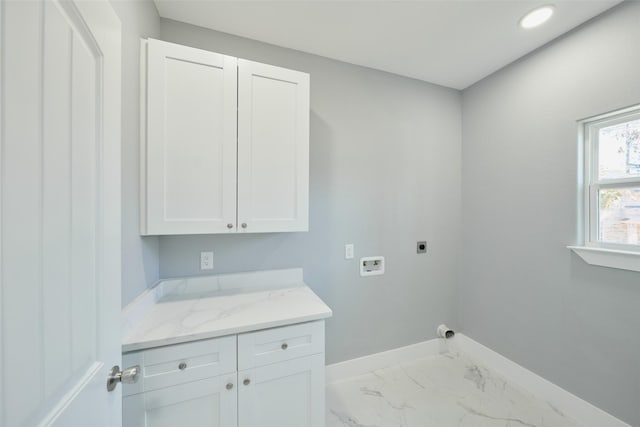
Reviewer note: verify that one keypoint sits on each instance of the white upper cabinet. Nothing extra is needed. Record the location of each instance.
(225, 147)
(189, 153)
(273, 148)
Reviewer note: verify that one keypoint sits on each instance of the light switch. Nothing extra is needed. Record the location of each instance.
(348, 251)
(206, 260)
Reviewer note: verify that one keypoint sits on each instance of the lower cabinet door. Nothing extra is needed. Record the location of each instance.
(211, 402)
(285, 394)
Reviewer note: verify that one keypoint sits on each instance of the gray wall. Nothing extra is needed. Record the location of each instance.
(385, 172)
(522, 293)
(139, 255)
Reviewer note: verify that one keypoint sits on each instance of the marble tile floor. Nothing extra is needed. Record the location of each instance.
(447, 390)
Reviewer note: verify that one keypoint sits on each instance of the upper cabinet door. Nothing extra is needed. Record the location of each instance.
(273, 148)
(189, 158)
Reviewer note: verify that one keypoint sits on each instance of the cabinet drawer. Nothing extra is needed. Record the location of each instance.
(180, 363)
(279, 344)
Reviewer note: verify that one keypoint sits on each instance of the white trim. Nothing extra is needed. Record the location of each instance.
(617, 182)
(612, 113)
(590, 184)
(142, 173)
(362, 365)
(612, 258)
(570, 404)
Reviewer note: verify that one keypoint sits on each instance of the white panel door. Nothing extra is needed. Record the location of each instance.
(211, 402)
(273, 148)
(190, 152)
(60, 213)
(285, 394)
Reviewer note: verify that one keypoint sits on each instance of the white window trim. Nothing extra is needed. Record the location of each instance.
(620, 256)
(623, 260)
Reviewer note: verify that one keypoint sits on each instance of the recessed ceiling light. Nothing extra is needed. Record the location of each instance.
(536, 17)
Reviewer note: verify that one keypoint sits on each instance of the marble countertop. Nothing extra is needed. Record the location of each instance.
(182, 310)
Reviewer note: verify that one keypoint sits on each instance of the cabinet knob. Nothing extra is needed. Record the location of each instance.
(284, 346)
(229, 225)
(244, 225)
(182, 366)
(246, 382)
(229, 386)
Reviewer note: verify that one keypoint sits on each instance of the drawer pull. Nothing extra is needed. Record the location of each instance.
(284, 346)
(229, 386)
(246, 382)
(182, 366)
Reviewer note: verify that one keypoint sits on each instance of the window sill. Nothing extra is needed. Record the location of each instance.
(612, 258)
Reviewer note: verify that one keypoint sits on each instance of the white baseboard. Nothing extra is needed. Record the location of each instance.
(574, 407)
(571, 405)
(362, 365)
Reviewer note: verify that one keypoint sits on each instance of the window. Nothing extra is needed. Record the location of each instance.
(611, 208)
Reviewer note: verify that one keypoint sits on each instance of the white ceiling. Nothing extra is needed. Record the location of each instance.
(452, 43)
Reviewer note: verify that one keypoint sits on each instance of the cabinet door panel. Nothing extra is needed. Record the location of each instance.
(286, 394)
(204, 403)
(189, 160)
(273, 148)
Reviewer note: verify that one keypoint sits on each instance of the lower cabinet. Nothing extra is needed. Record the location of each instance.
(211, 402)
(286, 394)
(276, 380)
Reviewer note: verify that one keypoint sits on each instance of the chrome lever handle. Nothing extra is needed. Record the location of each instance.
(128, 376)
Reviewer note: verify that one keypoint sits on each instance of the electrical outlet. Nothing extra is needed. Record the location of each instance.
(348, 251)
(206, 260)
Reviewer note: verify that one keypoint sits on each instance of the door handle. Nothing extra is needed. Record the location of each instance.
(128, 376)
